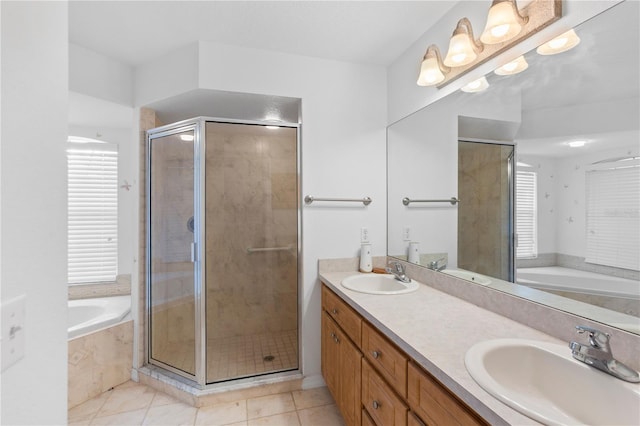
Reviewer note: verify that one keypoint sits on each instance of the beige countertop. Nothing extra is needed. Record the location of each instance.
(436, 330)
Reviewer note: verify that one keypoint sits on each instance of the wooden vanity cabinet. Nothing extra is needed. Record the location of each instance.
(383, 387)
(384, 406)
(434, 404)
(341, 359)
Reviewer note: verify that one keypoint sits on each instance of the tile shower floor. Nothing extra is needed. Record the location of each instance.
(239, 356)
(135, 404)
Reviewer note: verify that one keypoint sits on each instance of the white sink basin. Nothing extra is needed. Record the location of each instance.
(467, 275)
(544, 382)
(378, 284)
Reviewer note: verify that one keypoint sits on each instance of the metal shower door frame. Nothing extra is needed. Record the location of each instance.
(198, 124)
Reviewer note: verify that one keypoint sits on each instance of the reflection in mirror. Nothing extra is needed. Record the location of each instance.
(574, 192)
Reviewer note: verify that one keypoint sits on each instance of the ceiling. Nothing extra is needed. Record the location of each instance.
(368, 32)
(136, 32)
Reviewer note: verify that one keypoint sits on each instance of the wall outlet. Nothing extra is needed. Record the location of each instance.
(364, 235)
(13, 331)
(406, 233)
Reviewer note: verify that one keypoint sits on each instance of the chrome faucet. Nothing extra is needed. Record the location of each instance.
(598, 355)
(436, 265)
(397, 270)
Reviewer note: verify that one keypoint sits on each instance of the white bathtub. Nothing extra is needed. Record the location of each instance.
(87, 315)
(573, 280)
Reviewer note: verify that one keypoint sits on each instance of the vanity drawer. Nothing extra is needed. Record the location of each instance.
(347, 318)
(380, 401)
(413, 420)
(435, 404)
(390, 362)
(366, 419)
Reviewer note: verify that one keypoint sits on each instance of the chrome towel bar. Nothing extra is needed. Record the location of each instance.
(309, 199)
(453, 200)
(255, 250)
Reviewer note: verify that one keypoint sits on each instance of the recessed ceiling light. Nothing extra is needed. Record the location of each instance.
(576, 144)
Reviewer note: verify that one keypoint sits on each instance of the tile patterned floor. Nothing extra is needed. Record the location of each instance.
(135, 404)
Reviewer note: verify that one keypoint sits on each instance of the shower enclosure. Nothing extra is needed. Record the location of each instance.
(222, 249)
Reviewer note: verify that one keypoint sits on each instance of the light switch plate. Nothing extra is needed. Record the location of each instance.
(13, 331)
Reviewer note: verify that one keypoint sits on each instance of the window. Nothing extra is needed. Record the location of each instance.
(613, 210)
(92, 212)
(526, 215)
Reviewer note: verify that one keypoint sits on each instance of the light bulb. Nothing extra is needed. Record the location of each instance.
(478, 85)
(513, 67)
(463, 49)
(562, 43)
(503, 22)
(431, 70)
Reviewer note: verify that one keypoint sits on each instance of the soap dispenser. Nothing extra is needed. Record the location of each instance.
(414, 252)
(366, 261)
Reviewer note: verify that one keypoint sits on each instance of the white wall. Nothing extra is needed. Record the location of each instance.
(99, 76)
(33, 211)
(343, 148)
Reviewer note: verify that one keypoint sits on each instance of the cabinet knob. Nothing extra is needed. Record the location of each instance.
(334, 311)
(333, 335)
(335, 339)
(375, 405)
(376, 354)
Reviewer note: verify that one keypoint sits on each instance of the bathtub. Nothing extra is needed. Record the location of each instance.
(572, 280)
(88, 315)
(100, 354)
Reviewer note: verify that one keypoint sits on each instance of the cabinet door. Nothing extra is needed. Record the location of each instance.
(329, 356)
(350, 380)
(434, 404)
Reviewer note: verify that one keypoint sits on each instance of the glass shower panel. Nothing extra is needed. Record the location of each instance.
(485, 215)
(251, 250)
(171, 271)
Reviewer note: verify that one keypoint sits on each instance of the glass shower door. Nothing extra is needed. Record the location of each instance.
(251, 237)
(171, 273)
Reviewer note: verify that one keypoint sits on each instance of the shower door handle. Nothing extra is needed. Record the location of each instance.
(194, 256)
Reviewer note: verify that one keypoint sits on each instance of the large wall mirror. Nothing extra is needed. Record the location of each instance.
(532, 185)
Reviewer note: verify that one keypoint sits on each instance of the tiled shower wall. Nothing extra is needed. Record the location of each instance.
(483, 213)
(251, 203)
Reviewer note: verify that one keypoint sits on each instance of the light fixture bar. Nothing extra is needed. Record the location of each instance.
(539, 14)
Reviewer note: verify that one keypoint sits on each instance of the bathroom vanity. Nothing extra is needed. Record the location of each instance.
(399, 359)
(363, 368)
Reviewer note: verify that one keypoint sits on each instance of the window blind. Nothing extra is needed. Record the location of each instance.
(613, 217)
(92, 213)
(526, 215)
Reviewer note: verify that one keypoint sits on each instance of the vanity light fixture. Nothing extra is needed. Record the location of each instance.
(506, 27)
(475, 86)
(432, 71)
(514, 67)
(463, 48)
(562, 43)
(503, 22)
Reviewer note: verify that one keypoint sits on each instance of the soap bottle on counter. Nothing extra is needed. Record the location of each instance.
(414, 252)
(366, 261)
